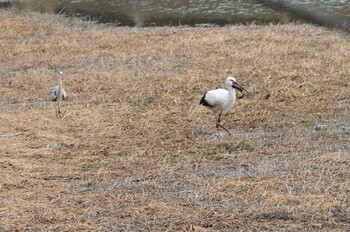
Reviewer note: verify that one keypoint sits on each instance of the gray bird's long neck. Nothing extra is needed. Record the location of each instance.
(59, 82)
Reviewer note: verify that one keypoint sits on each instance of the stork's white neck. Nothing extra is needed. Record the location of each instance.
(231, 93)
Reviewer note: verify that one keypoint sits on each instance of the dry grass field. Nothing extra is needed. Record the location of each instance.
(134, 151)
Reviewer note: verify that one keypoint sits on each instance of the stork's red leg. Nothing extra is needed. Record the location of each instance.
(219, 125)
(228, 132)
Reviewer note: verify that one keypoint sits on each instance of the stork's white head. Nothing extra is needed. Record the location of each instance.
(231, 83)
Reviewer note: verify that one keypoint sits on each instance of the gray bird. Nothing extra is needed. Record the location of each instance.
(57, 93)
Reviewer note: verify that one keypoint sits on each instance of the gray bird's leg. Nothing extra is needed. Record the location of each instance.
(58, 112)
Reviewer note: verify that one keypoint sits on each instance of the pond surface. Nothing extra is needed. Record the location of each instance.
(177, 12)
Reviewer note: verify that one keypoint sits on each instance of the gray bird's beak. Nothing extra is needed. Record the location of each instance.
(240, 88)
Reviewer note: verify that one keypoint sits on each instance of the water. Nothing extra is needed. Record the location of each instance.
(179, 12)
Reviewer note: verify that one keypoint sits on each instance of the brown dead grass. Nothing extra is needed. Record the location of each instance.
(134, 151)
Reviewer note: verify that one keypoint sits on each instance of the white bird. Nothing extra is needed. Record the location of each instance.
(220, 101)
(57, 93)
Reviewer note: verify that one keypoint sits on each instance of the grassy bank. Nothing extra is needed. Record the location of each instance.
(134, 151)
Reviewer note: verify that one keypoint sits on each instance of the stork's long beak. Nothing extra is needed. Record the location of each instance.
(240, 88)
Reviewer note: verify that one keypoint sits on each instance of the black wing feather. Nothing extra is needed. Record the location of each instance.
(204, 102)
